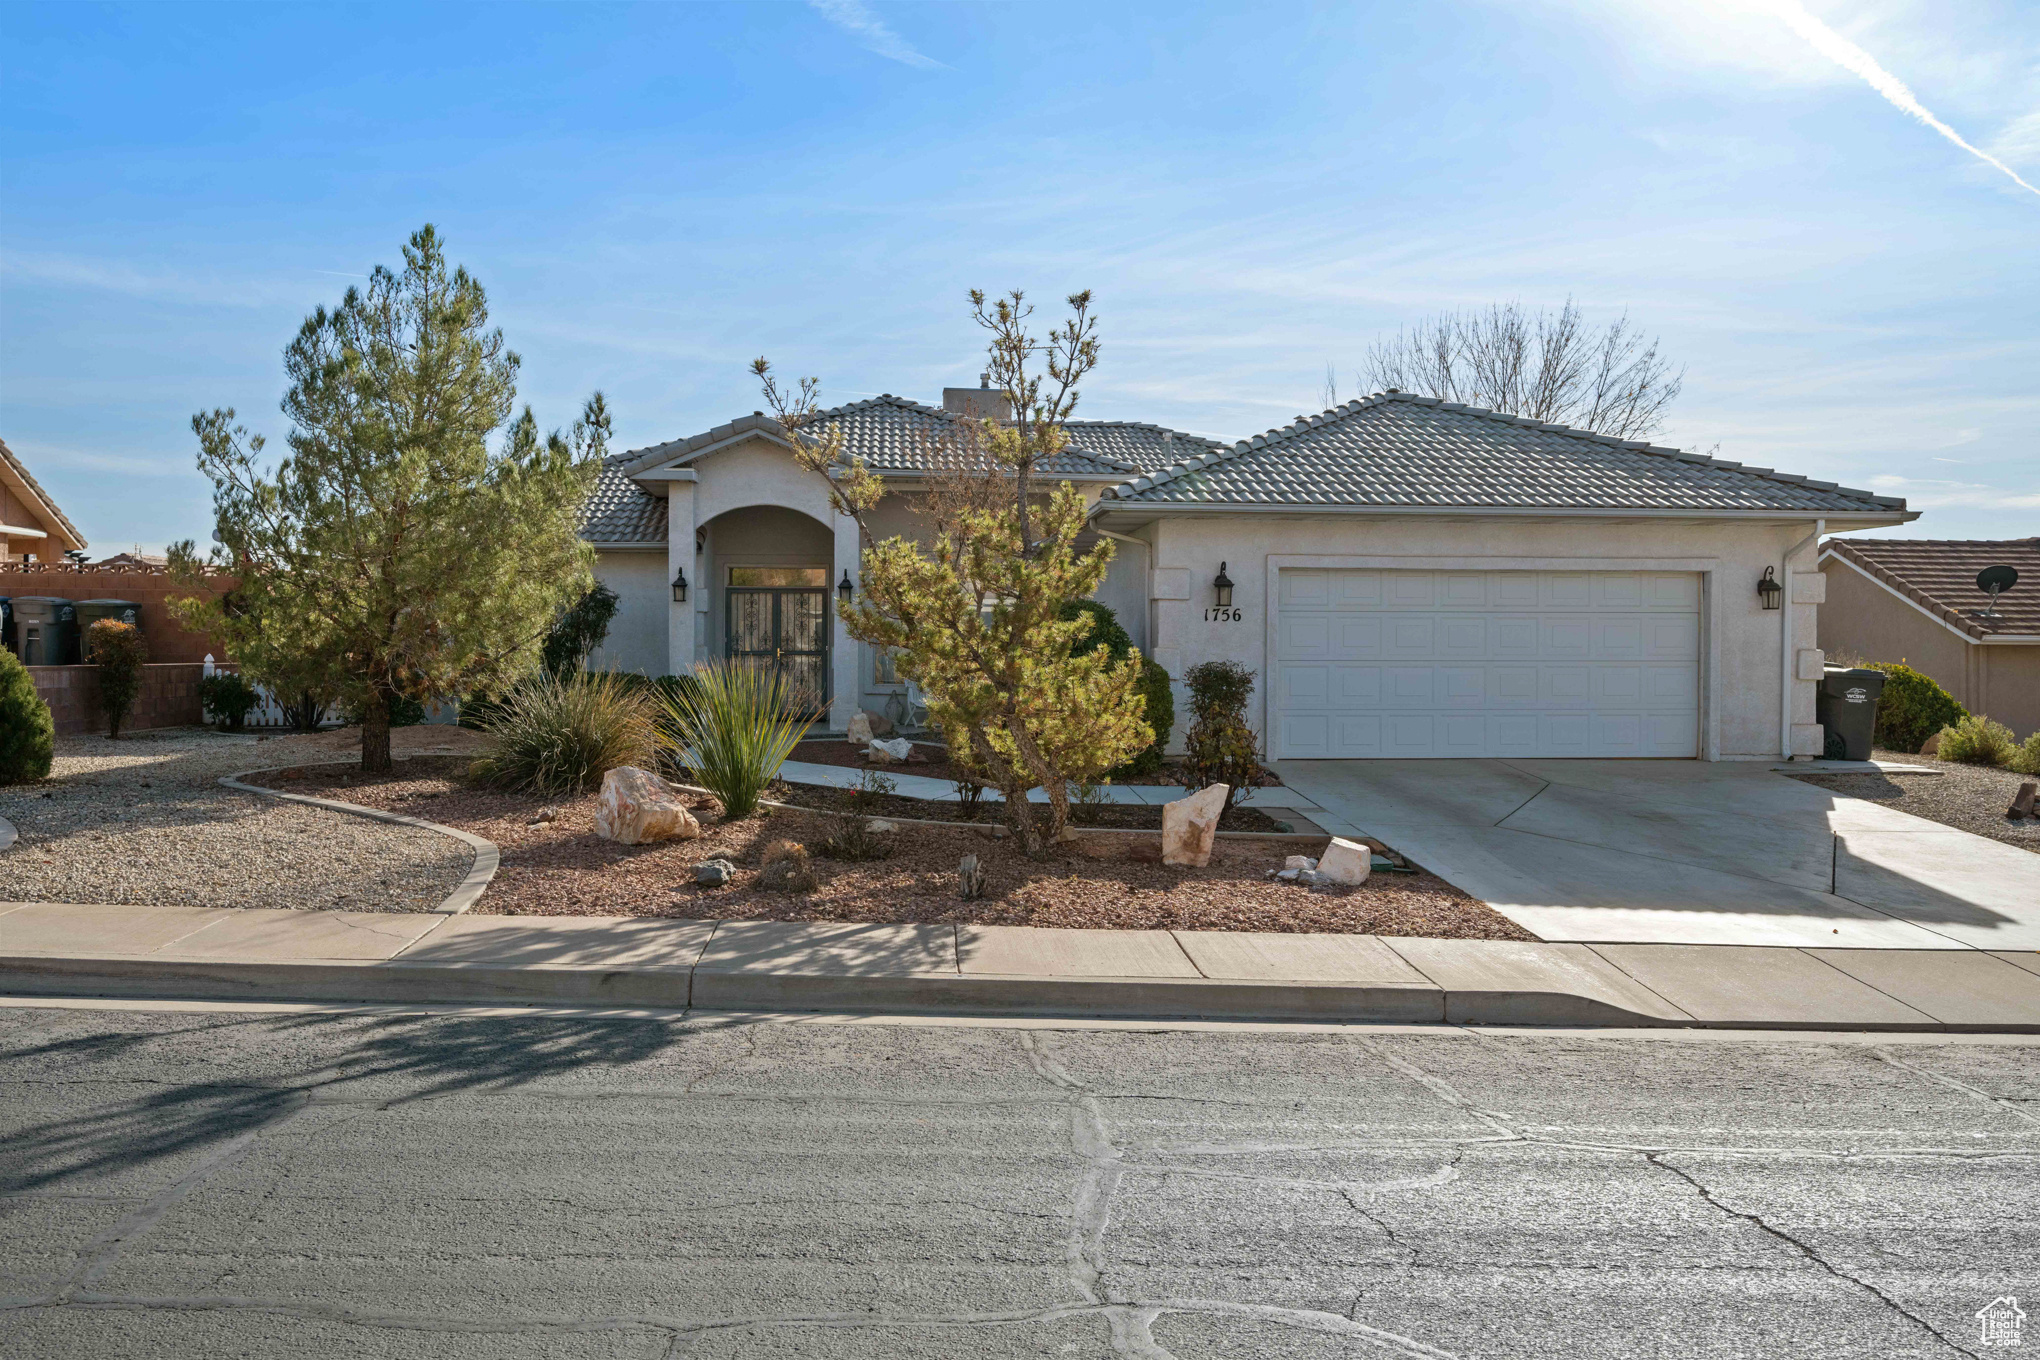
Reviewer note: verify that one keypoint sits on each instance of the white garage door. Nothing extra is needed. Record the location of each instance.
(1407, 664)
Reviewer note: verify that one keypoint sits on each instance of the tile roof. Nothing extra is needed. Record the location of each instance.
(1400, 451)
(1939, 575)
(621, 511)
(20, 470)
(892, 434)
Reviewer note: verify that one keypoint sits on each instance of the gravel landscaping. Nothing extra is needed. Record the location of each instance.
(143, 820)
(561, 867)
(1968, 797)
(835, 751)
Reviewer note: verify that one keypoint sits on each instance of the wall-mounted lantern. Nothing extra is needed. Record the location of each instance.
(844, 590)
(1768, 589)
(680, 586)
(1222, 584)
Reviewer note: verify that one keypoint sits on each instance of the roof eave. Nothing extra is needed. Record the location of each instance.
(1152, 510)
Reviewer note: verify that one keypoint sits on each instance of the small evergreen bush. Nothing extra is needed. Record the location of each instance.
(2026, 760)
(1221, 747)
(736, 727)
(561, 734)
(119, 651)
(1158, 699)
(1978, 741)
(228, 698)
(28, 734)
(1912, 707)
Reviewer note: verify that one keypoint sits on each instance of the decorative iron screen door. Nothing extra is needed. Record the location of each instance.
(788, 631)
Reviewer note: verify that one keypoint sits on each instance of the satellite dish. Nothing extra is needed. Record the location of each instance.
(1993, 580)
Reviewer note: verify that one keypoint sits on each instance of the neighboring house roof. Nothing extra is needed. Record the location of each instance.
(1398, 451)
(1939, 575)
(16, 473)
(621, 511)
(130, 559)
(1137, 445)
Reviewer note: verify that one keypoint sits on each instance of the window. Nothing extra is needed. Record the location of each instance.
(781, 577)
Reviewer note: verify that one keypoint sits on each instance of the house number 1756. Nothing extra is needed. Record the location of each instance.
(1221, 616)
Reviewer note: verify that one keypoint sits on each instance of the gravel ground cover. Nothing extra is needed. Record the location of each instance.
(1968, 797)
(144, 820)
(561, 868)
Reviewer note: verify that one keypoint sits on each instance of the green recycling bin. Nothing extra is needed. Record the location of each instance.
(1846, 706)
(45, 630)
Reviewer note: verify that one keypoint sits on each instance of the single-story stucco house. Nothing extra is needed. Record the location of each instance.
(1410, 577)
(1916, 600)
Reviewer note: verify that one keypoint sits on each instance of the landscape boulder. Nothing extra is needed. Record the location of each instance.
(636, 807)
(1190, 825)
(859, 730)
(1344, 861)
(1931, 746)
(1299, 862)
(888, 752)
(713, 873)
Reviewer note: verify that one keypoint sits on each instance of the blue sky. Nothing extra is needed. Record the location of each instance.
(653, 194)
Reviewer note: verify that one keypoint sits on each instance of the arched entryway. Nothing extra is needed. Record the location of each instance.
(767, 572)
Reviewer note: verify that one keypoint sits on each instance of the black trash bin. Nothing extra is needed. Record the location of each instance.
(45, 630)
(1846, 706)
(120, 611)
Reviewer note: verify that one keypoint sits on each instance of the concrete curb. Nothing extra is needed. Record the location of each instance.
(488, 858)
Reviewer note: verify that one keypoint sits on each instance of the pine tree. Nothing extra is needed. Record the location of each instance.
(391, 555)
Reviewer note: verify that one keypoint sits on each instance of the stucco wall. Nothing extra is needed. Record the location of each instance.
(1998, 679)
(1741, 660)
(637, 635)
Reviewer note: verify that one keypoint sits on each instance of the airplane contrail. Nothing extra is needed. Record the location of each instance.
(1850, 57)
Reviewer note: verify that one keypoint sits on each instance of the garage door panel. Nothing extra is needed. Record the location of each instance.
(1417, 664)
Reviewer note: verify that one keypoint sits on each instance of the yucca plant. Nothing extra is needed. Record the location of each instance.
(736, 725)
(562, 733)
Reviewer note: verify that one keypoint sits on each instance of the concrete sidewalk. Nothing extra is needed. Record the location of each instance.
(68, 949)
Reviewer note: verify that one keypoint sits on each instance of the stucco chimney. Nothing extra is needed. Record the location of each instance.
(978, 403)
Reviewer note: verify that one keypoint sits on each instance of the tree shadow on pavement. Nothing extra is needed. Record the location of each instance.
(430, 1056)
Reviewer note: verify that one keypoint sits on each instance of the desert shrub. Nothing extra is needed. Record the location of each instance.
(1912, 707)
(28, 734)
(228, 698)
(559, 734)
(2026, 760)
(119, 651)
(854, 839)
(1977, 740)
(736, 725)
(1221, 747)
(1158, 700)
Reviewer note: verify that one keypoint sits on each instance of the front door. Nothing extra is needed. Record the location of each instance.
(787, 630)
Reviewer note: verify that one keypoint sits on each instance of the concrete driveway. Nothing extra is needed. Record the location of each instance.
(1685, 852)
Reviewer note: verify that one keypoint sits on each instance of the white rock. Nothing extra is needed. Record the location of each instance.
(1346, 862)
(860, 728)
(879, 826)
(1189, 825)
(637, 807)
(894, 751)
(1288, 875)
(1299, 862)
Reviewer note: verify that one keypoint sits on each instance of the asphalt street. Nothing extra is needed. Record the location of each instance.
(220, 1183)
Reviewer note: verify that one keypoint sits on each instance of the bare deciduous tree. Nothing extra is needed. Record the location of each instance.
(1545, 365)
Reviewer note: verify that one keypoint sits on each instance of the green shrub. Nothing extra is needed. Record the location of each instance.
(1912, 707)
(1220, 747)
(119, 651)
(1158, 700)
(561, 734)
(228, 698)
(2026, 760)
(578, 630)
(736, 726)
(1978, 741)
(28, 734)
